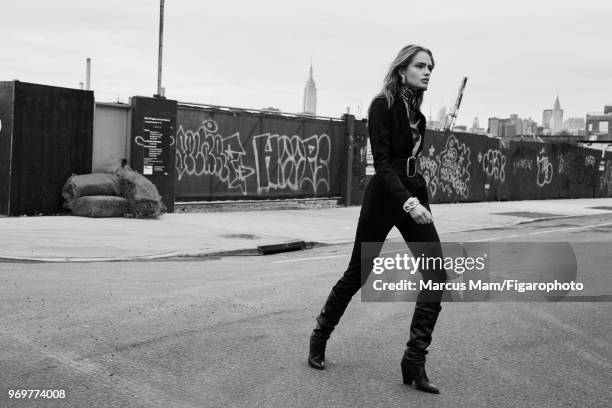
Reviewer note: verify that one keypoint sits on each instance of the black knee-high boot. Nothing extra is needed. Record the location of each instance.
(327, 320)
(413, 361)
(343, 291)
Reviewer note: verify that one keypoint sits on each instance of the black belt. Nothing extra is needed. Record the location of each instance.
(407, 166)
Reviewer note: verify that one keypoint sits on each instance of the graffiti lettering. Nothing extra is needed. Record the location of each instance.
(281, 162)
(526, 164)
(561, 168)
(589, 160)
(494, 164)
(545, 170)
(454, 168)
(429, 169)
(291, 162)
(204, 152)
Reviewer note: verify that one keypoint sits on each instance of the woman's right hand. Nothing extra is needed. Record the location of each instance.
(421, 214)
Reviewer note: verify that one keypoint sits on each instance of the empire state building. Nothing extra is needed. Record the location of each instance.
(310, 96)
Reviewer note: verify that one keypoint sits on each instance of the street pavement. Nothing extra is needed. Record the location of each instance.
(233, 331)
(71, 238)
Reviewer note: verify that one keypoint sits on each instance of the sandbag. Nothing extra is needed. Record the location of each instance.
(99, 206)
(141, 194)
(95, 184)
(144, 208)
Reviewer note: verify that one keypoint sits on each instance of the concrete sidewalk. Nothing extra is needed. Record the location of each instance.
(73, 239)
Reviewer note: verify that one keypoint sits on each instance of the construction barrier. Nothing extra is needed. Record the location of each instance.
(203, 152)
(46, 135)
(240, 154)
(462, 167)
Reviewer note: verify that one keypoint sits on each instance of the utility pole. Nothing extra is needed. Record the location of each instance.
(161, 47)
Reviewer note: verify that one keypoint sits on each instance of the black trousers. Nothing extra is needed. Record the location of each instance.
(428, 304)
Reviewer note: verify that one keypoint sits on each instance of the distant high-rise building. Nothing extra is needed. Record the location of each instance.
(574, 124)
(557, 116)
(441, 114)
(440, 118)
(310, 95)
(496, 127)
(546, 117)
(529, 127)
(516, 124)
(553, 118)
(512, 126)
(510, 130)
(476, 127)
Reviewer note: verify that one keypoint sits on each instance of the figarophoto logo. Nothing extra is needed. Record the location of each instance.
(485, 271)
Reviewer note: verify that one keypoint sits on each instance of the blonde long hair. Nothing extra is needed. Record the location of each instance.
(392, 81)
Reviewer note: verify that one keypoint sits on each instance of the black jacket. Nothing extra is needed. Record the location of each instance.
(391, 139)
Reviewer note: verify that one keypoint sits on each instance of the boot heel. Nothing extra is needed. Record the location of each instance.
(406, 376)
(419, 376)
(407, 379)
(316, 355)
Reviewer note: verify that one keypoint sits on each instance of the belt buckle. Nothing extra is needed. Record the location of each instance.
(411, 163)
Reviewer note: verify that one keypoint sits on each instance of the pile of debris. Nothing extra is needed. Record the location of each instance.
(123, 193)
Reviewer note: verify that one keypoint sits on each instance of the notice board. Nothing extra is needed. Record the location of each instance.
(153, 143)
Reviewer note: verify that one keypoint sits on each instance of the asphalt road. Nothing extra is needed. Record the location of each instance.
(233, 332)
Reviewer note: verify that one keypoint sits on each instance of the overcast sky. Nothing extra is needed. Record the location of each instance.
(516, 54)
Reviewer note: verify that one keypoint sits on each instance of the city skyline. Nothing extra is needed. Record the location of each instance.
(256, 58)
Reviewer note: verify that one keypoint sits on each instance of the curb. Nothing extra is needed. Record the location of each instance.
(196, 254)
(510, 224)
(241, 251)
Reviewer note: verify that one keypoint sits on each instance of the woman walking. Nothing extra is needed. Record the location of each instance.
(397, 195)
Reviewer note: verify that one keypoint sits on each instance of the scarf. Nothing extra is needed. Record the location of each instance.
(410, 96)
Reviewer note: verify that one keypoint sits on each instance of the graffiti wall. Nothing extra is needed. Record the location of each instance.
(222, 154)
(448, 165)
(577, 169)
(469, 167)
